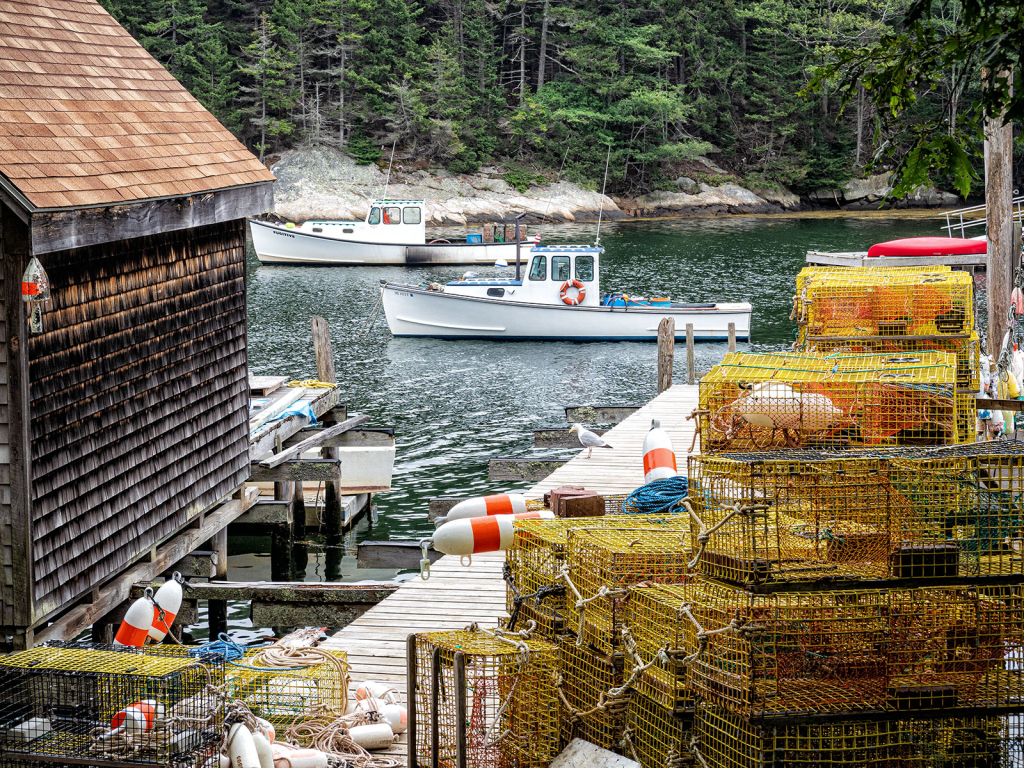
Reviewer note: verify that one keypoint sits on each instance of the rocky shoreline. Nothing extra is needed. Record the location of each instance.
(323, 183)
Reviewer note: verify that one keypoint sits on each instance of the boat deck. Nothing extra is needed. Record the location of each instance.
(455, 597)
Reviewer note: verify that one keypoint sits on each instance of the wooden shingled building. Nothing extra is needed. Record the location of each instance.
(126, 416)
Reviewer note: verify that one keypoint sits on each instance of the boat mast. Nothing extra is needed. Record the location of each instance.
(597, 238)
(517, 244)
(387, 180)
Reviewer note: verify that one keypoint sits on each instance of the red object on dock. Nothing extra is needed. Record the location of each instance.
(928, 246)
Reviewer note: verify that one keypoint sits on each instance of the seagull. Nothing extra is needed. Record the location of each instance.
(588, 439)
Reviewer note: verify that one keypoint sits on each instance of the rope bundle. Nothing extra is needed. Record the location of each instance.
(656, 497)
(330, 735)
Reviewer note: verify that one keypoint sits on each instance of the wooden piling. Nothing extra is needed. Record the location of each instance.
(999, 212)
(666, 352)
(325, 372)
(732, 337)
(691, 363)
(217, 610)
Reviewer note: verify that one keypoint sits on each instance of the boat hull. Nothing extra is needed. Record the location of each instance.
(414, 312)
(278, 245)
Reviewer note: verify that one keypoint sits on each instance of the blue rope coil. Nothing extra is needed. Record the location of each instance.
(223, 646)
(657, 497)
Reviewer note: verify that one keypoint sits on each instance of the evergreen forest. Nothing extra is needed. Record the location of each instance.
(558, 87)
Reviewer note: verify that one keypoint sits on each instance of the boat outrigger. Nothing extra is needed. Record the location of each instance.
(394, 232)
(559, 299)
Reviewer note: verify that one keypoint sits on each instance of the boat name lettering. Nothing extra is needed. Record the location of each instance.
(403, 293)
(284, 234)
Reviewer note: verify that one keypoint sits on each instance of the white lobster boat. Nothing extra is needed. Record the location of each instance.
(393, 233)
(558, 299)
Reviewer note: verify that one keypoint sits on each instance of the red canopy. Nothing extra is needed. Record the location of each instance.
(928, 246)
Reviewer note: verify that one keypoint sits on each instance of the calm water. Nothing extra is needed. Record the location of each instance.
(455, 404)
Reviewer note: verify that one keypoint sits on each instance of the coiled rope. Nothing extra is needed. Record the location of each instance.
(330, 734)
(223, 647)
(657, 496)
(312, 384)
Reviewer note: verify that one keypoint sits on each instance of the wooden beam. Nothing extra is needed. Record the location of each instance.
(439, 506)
(72, 623)
(998, 405)
(667, 351)
(598, 414)
(367, 437)
(527, 469)
(999, 229)
(311, 470)
(393, 554)
(199, 564)
(305, 614)
(265, 513)
(558, 437)
(286, 591)
(261, 386)
(62, 230)
(313, 441)
(265, 440)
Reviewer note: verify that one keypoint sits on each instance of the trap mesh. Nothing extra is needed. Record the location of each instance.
(762, 401)
(507, 713)
(952, 512)
(536, 557)
(100, 707)
(865, 302)
(605, 563)
(285, 696)
(657, 738)
(657, 623)
(726, 740)
(585, 677)
(792, 654)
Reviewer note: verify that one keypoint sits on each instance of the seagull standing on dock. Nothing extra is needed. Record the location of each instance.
(588, 439)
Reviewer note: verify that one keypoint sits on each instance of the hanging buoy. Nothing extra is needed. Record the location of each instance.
(137, 718)
(474, 535)
(376, 736)
(137, 622)
(1017, 301)
(168, 599)
(241, 748)
(659, 457)
(481, 506)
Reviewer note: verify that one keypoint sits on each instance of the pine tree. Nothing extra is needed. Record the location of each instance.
(266, 96)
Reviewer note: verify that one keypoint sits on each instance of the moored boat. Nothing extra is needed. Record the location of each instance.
(557, 299)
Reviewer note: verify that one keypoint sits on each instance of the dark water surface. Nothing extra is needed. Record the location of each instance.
(455, 404)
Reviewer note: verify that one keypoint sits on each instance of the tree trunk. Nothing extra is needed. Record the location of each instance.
(542, 56)
(860, 121)
(522, 55)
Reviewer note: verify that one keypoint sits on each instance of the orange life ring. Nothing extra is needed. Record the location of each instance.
(439, 240)
(581, 292)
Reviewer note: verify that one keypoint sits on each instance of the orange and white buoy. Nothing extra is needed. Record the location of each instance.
(481, 506)
(168, 599)
(659, 456)
(473, 535)
(137, 622)
(137, 718)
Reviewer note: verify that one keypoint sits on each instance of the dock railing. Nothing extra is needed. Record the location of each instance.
(970, 218)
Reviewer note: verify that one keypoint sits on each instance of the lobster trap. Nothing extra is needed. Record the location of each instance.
(657, 738)
(482, 699)
(724, 740)
(754, 401)
(603, 564)
(85, 706)
(584, 679)
(664, 636)
(803, 516)
(285, 696)
(858, 302)
(534, 562)
(850, 652)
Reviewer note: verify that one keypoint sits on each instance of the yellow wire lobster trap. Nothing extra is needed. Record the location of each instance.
(862, 301)
(801, 516)
(79, 705)
(603, 564)
(533, 566)
(754, 401)
(849, 652)
(285, 695)
(657, 738)
(724, 740)
(584, 680)
(482, 698)
(664, 638)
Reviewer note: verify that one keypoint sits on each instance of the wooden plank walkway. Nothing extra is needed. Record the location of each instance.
(455, 596)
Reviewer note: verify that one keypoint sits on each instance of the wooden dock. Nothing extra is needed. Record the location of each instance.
(455, 596)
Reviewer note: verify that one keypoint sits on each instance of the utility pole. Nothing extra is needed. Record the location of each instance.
(998, 206)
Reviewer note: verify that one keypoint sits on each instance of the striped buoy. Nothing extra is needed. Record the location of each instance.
(473, 535)
(659, 457)
(137, 718)
(481, 506)
(168, 599)
(137, 622)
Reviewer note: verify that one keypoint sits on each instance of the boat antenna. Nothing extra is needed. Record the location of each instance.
(517, 245)
(597, 238)
(387, 180)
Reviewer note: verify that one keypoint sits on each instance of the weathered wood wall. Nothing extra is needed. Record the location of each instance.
(139, 400)
(7, 600)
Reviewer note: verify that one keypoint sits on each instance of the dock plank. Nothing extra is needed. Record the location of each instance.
(455, 597)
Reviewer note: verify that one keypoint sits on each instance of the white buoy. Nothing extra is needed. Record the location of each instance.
(775, 405)
(289, 756)
(137, 622)
(659, 456)
(376, 736)
(267, 729)
(168, 598)
(481, 506)
(473, 535)
(263, 750)
(241, 748)
(372, 689)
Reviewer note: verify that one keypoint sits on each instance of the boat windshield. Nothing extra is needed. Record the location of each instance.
(560, 268)
(585, 268)
(374, 217)
(539, 269)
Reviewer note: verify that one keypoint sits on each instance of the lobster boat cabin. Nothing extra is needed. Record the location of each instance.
(557, 297)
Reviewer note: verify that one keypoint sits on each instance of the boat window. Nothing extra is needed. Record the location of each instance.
(560, 268)
(392, 215)
(584, 267)
(499, 292)
(412, 215)
(374, 217)
(539, 270)
(348, 231)
(318, 229)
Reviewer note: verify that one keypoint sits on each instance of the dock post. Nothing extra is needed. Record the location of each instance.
(691, 364)
(435, 700)
(732, 337)
(217, 610)
(666, 352)
(325, 372)
(460, 710)
(999, 212)
(410, 698)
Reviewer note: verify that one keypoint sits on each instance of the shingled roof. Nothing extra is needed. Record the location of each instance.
(89, 118)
